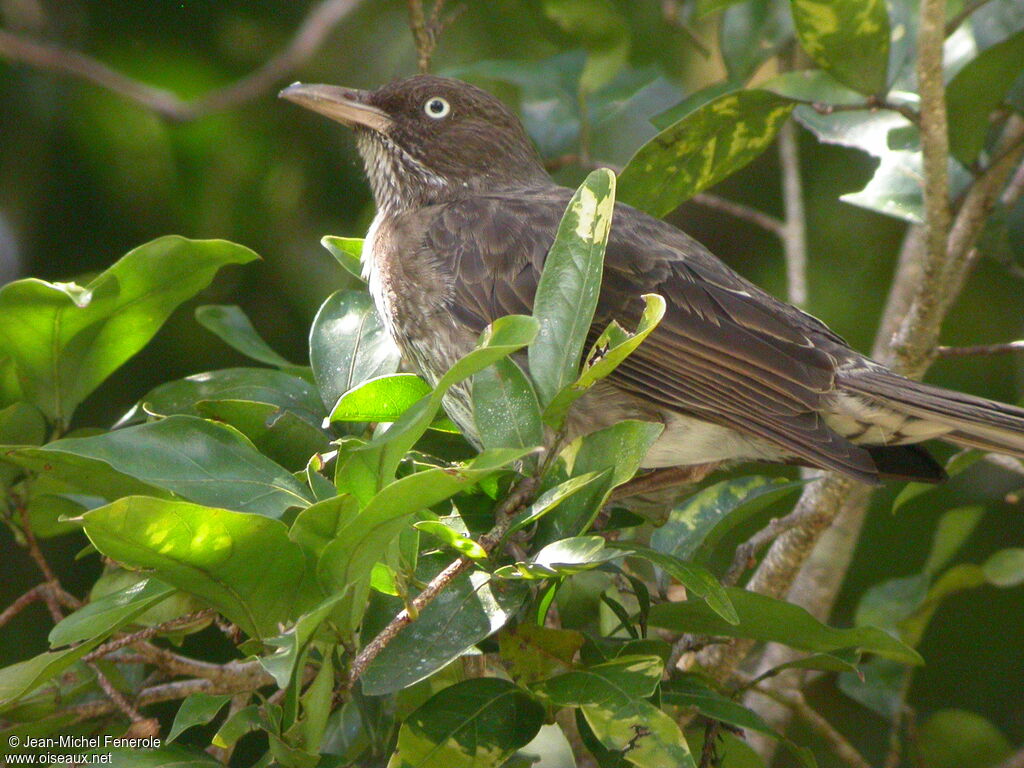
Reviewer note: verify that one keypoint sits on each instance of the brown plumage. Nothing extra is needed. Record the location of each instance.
(466, 215)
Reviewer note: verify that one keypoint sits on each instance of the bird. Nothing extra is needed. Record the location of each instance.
(466, 214)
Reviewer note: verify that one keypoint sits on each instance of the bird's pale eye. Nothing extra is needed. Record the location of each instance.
(436, 107)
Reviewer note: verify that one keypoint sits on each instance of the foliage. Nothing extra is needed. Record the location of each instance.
(393, 593)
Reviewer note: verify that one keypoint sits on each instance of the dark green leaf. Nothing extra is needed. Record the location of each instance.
(551, 498)
(619, 680)
(532, 653)
(278, 434)
(65, 339)
(191, 457)
(701, 149)
(99, 618)
(751, 33)
(244, 721)
(952, 531)
(348, 345)
(470, 609)
(976, 91)
(231, 325)
(849, 38)
(478, 723)
(348, 251)
(505, 408)
(22, 424)
(569, 285)
(766, 619)
(197, 709)
(694, 529)
(1005, 568)
(695, 578)
(258, 385)
(292, 644)
(24, 677)
(384, 398)
(243, 565)
(620, 449)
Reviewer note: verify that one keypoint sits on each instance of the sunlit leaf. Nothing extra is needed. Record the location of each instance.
(849, 38)
(243, 565)
(65, 339)
(348, 251)
(701, 149)
(384, 398)
(569, 285)
(561, 558)
(505, 408)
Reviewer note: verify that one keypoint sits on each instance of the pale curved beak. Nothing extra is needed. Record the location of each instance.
(346, 105)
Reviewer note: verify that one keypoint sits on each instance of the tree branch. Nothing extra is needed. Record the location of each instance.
(306, 41)
(794, 235)
(981, 350)
(503, 516)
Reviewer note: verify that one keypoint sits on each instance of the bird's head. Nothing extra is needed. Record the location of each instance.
(425, 139)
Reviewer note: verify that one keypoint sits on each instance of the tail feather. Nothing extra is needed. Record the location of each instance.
(972, 421)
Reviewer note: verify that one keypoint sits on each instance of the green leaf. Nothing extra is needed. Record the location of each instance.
(569, 285)
(551, 498)
(878, 686)
(976, 91)
(561, 558)
(701, 149)
(348, 345)
(956, 738)
(230, 324)
(258, 385)
(471, 608)
(1005, 568)
(532, 653)
(22, 678)
(243, 565)
(363, 538)
(505, 408)
(766, 619)
(612, 347)
(348, 251)
(64, 339)
(452, 538)
(694, 528)
(99, 618)
(813, 86)
(602, 31)
(620, 449)
(849, 38)
(623, 678)
(500, 339)
(690, 691)
(193, 458)
(752, 32)
(291, 645)
(22, 424)
(611, 696)
(280, 435)
(244, 721)
(952, 531)
(477, 723)
(381, 399)
(197, 709)
(695, 578)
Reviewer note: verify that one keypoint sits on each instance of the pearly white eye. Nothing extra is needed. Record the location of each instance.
(436, 107)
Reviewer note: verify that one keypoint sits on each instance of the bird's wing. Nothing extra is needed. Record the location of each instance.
(725, 352)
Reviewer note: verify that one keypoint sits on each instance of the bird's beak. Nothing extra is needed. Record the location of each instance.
(346, 105)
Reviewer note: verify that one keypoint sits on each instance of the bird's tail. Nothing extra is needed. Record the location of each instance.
(970, 421)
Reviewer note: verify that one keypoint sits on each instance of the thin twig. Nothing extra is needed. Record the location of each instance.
(503, 516)
(426, 29)
(981, 350)
(794, 237)
(709, 752)
(746, 552)
(145, 634)
(741, 211)
(795, 700)
(115, 696)
(873, 104)
(307, 40)
(33, 595)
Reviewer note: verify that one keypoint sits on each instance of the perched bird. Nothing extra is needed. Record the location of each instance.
(466, 214)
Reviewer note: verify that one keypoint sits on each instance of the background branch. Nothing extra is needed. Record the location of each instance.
(306, 41)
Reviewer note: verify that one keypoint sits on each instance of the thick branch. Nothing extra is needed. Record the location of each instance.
(306, 41)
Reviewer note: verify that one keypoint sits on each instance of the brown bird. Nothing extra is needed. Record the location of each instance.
(466, 214)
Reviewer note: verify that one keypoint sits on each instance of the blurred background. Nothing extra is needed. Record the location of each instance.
(86, 174)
